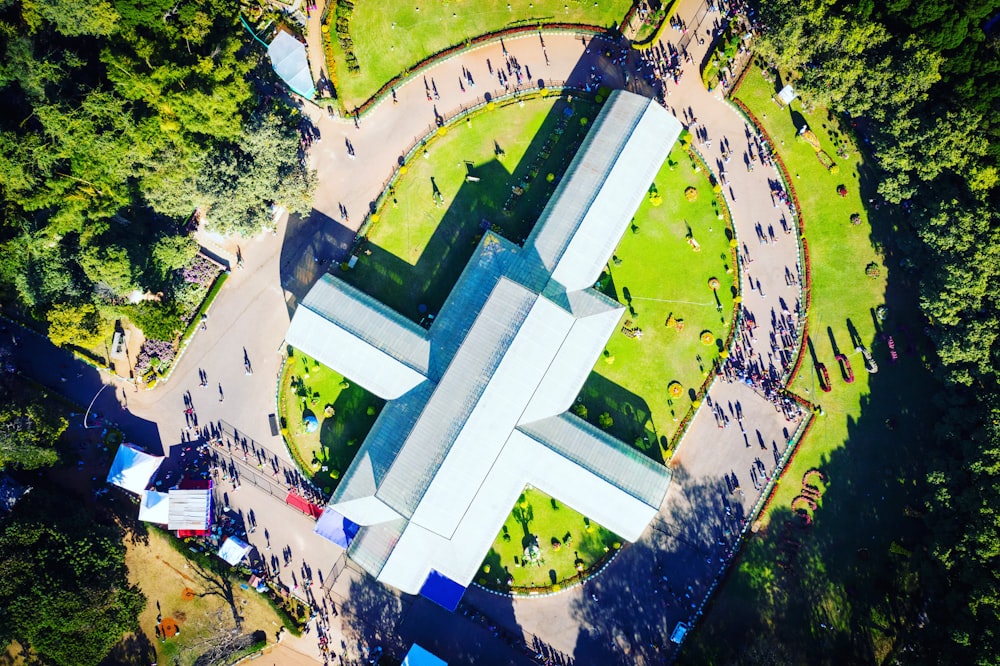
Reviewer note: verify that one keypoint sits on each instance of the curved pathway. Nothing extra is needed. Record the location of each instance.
(624, 615)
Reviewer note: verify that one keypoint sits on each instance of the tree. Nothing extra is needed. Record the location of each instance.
(109, 266)
(248, 176)
(76, 325)
(28, 434)
(173, 252)
(72, 17)
(63, 585)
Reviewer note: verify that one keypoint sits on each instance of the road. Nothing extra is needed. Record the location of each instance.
(623, 615)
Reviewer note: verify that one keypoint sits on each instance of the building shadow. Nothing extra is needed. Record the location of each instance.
(312, 245)
(631, 418)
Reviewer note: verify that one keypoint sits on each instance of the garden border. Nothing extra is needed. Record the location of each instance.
(764, 501)
(576, 581)
(192, 326)
(470, 44)
(685, 422)
(304, 469)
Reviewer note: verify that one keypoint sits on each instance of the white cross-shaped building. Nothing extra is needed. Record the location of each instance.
(478, 403)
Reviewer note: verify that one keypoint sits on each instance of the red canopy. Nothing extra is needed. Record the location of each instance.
(304, 505)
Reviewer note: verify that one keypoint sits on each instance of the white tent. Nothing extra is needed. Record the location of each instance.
(288, 57)
(154, 507)
(190, 509)
(132, 469)
(233, 550)
(786, 95)
(418, 656)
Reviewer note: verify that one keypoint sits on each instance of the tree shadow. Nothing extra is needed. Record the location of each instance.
(133, 650)
(850, 586)
(217, 583)
(629, 611)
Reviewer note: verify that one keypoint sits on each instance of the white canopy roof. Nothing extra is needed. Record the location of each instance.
(154, 507)
(288, 56)
(132, 469)
(233, 550)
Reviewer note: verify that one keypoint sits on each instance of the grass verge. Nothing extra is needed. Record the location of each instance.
(833, 584)
(389, 38)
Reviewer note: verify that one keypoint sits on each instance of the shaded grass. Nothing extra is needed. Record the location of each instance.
(538, 518)
(308, 388)
(391, 37)
(658, 275)
(846, 592)
(420, 246)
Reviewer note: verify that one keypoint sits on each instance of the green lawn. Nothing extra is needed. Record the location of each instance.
(419, 246)
(310, 388)
(844, 594)
(568, 545)
(659, 275)
(390, 37)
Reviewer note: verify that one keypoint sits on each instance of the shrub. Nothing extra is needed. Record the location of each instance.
(605, 420)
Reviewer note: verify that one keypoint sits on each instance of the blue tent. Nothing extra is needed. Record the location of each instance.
(288, 57)
(333, 526)
(442, 590)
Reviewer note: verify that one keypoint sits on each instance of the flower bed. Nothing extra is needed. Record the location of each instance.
(196, 286)
(845, 369)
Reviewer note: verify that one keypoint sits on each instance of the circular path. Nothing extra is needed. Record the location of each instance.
(626, 614)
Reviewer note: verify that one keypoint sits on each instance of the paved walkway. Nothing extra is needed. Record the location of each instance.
(626, 614)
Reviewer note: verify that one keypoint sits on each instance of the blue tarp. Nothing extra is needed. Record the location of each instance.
(288, 57)
(442, 590)
(333, 526)
(418, 656)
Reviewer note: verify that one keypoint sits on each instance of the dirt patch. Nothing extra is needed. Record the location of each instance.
(169, 627)
(187, 594)
(164, 574)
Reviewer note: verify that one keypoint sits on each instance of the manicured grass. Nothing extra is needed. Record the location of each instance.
(390, 37)
(658, 275)
(845, 594)
(420, 246)
(345, 413)
(540, 520)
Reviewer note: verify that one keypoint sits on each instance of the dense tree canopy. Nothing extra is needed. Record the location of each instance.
(121, 111)
(63, 585)
(925, 76)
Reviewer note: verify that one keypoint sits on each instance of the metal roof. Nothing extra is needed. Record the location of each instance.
(189, 509)
(602, 188)
(359, 337)
(607, 457)
(478, 402)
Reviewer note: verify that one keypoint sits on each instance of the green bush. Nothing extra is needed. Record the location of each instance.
(159, 321)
